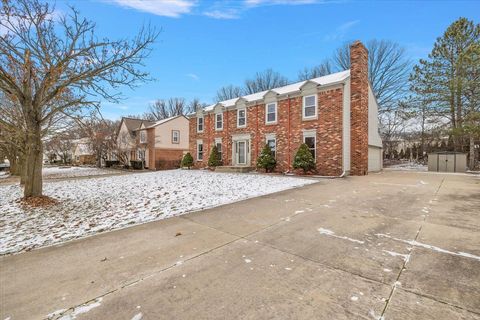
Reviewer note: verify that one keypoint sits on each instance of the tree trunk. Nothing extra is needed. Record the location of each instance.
(13, 166)
(34, 163)
(22, 170)
(471, 162)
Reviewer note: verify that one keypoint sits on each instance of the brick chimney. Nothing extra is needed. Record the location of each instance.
(358, 109)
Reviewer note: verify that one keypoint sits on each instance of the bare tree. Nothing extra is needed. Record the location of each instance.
(265, 80)
(58, 66)
(388, 70)
(228, 92)
(162, 109)
(61, 146)
(320, 70)
(194, 105)
(101, 135)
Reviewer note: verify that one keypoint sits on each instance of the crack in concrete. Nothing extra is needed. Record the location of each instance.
(429, 297)
(406, 261)
(136, 281)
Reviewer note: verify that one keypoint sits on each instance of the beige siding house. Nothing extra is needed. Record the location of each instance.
(161, 144)
(167, 142)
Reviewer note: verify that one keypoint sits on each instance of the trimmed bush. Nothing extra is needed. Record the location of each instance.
(304, 159)
(187, 161)
(137, 164)
(110, 163)
(214, 159)
(266, 160)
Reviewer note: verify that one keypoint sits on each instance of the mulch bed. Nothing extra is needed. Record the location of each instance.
(38, 202)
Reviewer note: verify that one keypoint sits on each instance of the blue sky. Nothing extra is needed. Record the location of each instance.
(208, 44)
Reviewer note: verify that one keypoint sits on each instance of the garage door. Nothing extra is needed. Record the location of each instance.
(374, 159)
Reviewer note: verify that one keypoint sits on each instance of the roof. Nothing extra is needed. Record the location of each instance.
(291, 88)
(135, 124)
(154, 124)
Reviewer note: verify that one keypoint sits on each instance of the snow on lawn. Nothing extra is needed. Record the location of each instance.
(409, 166)
(89, 206)
(73, 172)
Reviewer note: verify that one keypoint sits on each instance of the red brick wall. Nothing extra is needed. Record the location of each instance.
(359, 109)
(288, 130)
(168, 158)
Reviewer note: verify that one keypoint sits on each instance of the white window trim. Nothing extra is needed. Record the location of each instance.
(200, 142)
(311, 134)
(315, 116)
(143, 136)
(217, 114)
(203, 123)
(272, 136)
(238, 117)
(219, 141)
(266, 113)
(178, 136)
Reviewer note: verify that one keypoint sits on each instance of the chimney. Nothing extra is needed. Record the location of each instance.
(358, 109)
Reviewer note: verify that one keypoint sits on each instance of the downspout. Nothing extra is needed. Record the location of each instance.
(226, 132)
(289, 136)
(256, 135)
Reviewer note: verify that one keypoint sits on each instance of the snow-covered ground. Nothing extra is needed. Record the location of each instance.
(73, 172)
(89, 206)
(410, 166)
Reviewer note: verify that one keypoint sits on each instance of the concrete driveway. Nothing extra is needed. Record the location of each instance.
(397, 245)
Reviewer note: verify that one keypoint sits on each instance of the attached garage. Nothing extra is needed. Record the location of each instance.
(375, 162)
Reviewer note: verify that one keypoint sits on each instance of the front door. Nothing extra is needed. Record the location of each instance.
(241, 152)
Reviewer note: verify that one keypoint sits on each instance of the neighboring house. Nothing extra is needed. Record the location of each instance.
(127, 141)
(160, 144)
(335, 115)
(82, 152)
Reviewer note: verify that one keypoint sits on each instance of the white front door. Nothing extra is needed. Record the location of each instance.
(241, 152)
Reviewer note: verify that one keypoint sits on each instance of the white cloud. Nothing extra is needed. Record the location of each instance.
(193, 76)
(225, 14)
(341, 31)
(168, 8)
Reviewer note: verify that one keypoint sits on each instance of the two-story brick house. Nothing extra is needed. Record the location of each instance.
(335, 115)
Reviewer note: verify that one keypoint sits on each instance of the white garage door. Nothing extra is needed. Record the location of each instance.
(374, 159)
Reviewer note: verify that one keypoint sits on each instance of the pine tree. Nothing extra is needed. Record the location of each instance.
(214, 159)
(266, 159)
(187, 160)
(304, 159)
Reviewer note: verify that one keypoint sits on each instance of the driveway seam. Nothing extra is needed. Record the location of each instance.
(134, 282)
(426, 296)
(387, 302)
(323, 264)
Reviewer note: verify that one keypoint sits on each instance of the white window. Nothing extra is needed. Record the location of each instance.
(143, 136)
(141, 154)
(271, 141)
(309, 110)
(175, 136)
(218, 121)
(218, 143)
(200, 124)
(310, 139)
(241, 118)
(271, 112)
(199, 150)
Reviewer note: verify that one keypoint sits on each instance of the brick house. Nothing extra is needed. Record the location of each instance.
(160, 144)
(335, 115)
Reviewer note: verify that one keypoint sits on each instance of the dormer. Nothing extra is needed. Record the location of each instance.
(309, 88)
(270, 96)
